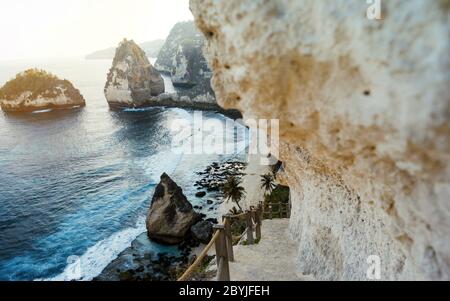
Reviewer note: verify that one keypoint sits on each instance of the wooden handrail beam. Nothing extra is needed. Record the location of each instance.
(223, 242)
(199, 259)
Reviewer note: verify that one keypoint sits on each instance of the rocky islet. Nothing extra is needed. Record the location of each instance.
(36, 89)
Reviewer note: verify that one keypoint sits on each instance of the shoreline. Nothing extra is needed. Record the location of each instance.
(141, 261)
(171, 103)
(251, 183)
(148, 259)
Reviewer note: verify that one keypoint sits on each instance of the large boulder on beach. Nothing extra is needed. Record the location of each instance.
(36, 89)
(171, 215)
(132, 79)
(202, 231)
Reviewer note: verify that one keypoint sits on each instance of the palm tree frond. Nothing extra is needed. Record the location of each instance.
(233, 191)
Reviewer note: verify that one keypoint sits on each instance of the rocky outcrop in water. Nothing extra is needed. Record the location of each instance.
(180, 32)
(182, 58)
(36, 89)
(171, 216)
(364, 123)
(132, 80)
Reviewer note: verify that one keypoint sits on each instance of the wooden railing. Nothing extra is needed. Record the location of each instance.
(222, 240)
(223, 237)
(277, 210)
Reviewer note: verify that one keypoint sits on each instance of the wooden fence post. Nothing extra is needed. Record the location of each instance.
(229, 236)
(223, 268)
(270, 212)
(261, 213)
(258, 223)
(249, 228)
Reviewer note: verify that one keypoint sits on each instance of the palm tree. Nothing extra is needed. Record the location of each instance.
(232, 190)
(268, 183)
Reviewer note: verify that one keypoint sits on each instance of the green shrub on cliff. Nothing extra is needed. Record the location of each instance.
(279, 195)
(39, 82)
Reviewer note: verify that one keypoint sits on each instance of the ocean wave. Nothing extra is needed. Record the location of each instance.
(154, 169)
(89, 265)
(139, 109)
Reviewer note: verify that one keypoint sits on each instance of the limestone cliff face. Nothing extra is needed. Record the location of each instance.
(182, 57)
(180, 32)
(364, 113)
(191, 75)
(132, 80)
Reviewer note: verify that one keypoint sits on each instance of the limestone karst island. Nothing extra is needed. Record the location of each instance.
(181, 141)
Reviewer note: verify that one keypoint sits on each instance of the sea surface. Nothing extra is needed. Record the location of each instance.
(75, 185)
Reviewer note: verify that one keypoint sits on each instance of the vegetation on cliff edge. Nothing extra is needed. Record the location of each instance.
(40, 83)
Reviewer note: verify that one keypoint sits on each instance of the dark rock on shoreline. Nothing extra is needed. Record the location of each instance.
(200, 194)
(172, 100)
(216, 175)
(171, 215)
(139, 262)
(202, 231)
(214, 221)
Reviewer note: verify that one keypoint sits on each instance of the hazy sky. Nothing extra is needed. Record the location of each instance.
(62, 28)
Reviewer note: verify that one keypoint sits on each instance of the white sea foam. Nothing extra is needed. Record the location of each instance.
(97, 257)
(154, 169)
(139, 109)
(42, 111)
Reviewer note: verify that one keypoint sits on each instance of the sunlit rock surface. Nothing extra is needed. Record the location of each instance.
(364, 113)
(36, 89)
(132, 79)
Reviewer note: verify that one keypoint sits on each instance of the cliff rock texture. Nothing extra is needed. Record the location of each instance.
(132, 79)
(36, 89)
(171, 216)
(180, 32)
(364, 112)
(182, 57)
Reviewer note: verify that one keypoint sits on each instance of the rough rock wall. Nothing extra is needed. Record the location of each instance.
(132, 79)
(171, 215)
(180, 32)
(191, 75)
(364, 109)
(182, 57)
